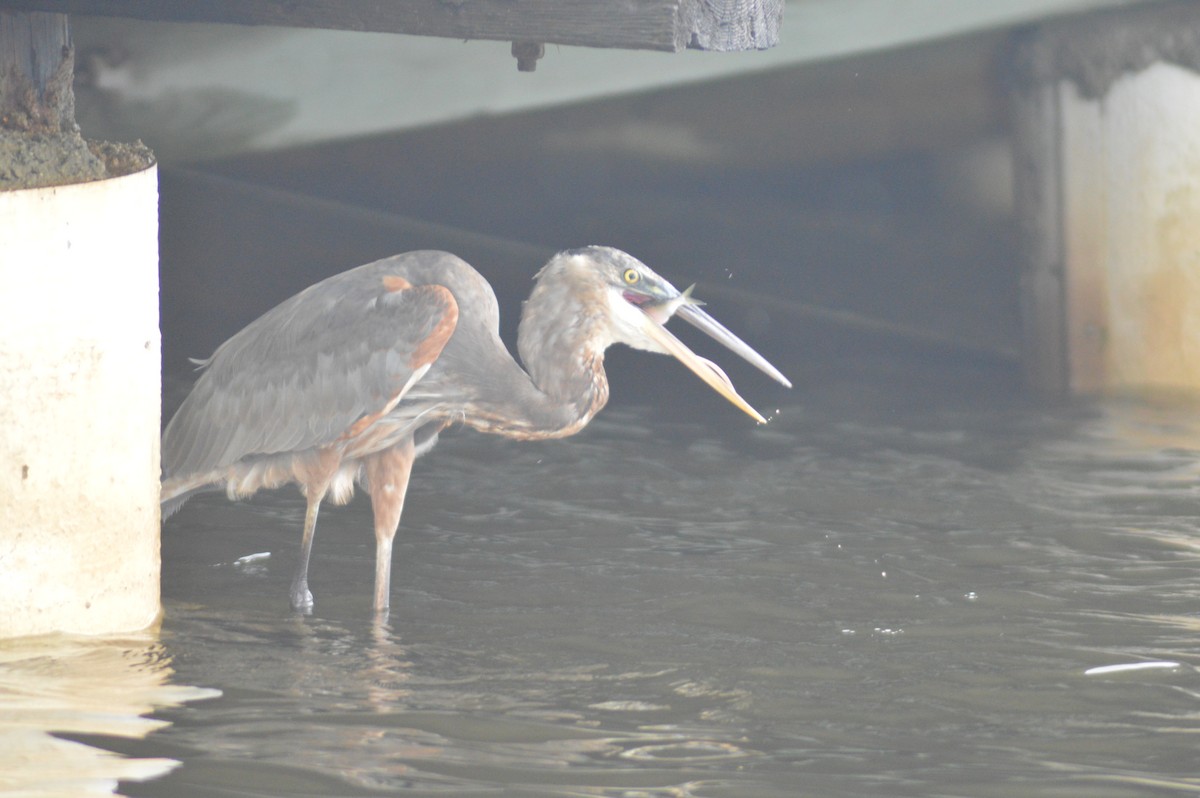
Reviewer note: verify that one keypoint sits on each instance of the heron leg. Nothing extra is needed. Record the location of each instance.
(387, 482)
(301, 598)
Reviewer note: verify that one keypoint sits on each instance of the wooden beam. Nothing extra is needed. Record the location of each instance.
(669, 25)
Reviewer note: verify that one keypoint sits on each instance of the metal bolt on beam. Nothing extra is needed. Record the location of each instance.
(527, 55)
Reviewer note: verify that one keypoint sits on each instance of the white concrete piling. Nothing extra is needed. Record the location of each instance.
(1107, 129)
(79, 407)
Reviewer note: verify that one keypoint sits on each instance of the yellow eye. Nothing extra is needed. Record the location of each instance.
(631, 276)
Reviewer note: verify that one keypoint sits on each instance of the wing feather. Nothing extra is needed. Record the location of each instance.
(304, 372)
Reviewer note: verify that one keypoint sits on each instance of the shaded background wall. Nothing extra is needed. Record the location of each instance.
(843, 200)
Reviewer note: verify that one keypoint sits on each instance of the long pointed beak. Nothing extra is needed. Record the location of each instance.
(703, 368)
(691, 313)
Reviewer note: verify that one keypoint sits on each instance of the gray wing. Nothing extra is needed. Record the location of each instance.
(303, 373)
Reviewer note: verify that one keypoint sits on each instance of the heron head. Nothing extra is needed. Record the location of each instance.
(634, 303)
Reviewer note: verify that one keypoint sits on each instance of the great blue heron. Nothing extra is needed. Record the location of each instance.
(353, 378)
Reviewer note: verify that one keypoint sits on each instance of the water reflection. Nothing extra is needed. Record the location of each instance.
(347, 705)
(1137, 464)
(56, 691)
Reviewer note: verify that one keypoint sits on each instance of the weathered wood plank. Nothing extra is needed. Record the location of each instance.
(669, 25)
(729, 25)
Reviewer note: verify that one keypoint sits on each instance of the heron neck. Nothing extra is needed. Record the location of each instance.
(562, 345)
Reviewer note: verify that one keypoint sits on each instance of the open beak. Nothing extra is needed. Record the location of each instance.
(689, 310)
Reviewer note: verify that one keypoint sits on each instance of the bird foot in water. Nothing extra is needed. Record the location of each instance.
(302, 599)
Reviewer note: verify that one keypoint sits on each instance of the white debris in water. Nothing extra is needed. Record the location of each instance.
(628, 706)
(1130, 666)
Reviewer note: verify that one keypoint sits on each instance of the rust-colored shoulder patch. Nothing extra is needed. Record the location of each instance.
(394, 283)
(429, 349)
(426, 320)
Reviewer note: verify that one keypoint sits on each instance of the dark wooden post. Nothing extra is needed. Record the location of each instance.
(1037, 150)
(40, 144)
(36, 68)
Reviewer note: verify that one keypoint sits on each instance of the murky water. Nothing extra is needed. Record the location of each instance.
(881, 593)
